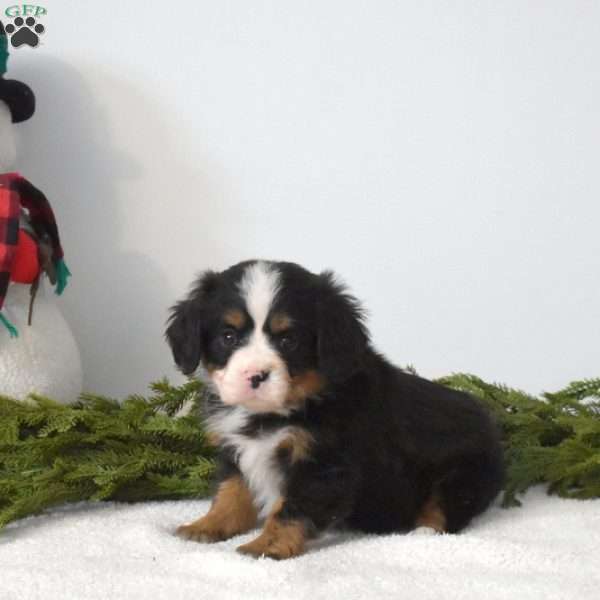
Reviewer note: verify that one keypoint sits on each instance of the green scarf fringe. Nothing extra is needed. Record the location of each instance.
(3, 54)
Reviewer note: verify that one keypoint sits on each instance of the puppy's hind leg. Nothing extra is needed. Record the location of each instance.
(469, 489)
(431, 518)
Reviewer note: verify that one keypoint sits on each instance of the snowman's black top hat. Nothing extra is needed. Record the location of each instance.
(18, 96)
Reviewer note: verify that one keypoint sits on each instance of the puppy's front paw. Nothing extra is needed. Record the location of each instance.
(277, 550)
(201, 530)
(286, 543)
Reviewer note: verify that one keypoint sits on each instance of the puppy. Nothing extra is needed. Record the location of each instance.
(315, 428)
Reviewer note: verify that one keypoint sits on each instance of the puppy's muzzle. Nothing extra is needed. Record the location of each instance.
(258, 378)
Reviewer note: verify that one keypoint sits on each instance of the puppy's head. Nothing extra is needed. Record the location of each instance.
(267, 334)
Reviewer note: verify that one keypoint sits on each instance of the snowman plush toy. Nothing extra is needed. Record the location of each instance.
(38, 353)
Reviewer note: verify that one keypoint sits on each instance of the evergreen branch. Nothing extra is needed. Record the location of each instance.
(139, 449)
(554, 439)
(100, 449)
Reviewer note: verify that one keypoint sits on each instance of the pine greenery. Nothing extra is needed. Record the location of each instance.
(140, 449)
(554, 439)
(101, 449)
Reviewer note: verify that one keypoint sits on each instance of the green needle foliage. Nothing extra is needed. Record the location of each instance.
(554, 439)
(140, 449)
(101, 449)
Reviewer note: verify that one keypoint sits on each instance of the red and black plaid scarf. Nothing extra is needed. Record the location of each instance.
(16, 193)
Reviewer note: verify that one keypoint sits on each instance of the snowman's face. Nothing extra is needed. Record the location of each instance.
(8, 147)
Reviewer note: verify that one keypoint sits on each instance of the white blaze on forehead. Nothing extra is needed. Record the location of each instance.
(255, 456)
(258, 287)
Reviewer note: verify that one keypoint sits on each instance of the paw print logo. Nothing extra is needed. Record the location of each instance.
(24, 32)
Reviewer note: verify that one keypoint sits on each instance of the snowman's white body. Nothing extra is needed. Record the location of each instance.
(44, 358)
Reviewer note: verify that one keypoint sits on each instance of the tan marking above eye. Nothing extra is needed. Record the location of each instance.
(280, 322)
(234, 317)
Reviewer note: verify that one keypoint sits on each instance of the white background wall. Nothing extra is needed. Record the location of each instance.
(443, 157)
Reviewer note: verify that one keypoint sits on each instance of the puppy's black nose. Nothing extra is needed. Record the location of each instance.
(257, 379)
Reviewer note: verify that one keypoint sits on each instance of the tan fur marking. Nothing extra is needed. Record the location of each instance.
(304, 385)
(235, 318)
(232, 512)
(432, 516)
(279, 539)
(280, 322)
(297, 443)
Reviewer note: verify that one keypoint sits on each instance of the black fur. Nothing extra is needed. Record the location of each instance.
(186, 326)
(385, 441)
(342, 338)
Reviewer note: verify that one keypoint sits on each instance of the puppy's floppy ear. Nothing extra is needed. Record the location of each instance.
(185, 325)
(342, 337)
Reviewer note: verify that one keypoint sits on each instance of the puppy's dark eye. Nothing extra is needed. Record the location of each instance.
(229, 338)
(288, 342)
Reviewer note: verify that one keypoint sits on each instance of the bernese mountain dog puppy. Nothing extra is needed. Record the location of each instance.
(316, 429)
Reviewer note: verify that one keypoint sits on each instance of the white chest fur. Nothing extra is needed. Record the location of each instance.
(256, 456)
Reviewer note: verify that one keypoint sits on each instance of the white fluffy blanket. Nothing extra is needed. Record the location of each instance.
(548, 549)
